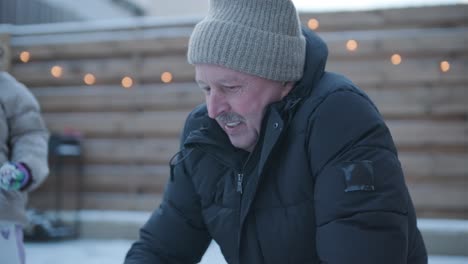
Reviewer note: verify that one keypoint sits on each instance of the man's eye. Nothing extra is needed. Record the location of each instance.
(231, 88)
(206, 90)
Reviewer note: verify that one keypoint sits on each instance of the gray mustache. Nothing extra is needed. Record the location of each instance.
(229, 117)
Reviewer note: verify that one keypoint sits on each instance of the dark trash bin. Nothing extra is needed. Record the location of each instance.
(65, 160)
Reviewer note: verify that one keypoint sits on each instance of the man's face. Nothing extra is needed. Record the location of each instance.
(238, 101)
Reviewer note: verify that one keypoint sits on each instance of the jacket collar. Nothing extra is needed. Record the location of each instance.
(314, 68)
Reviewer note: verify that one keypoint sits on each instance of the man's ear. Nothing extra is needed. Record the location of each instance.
(287, 87)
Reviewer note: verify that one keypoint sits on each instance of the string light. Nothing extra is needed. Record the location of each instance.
(166, 77)
(25, 56)
(444, 66)
(127, 82)
(396, 59)
(89, 79)
(313, 24)
(351, 45)
(56, 71)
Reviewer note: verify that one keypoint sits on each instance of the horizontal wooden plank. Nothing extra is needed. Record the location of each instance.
(410, 71)
(105, 178)
(429, 133)
(423, 166)
(118, 124)
(97, 201)
(401, 102)
(435, 196)
(102, 44)
(413, 17)
(128, 151)
(99, 26)
(441, 213)
(111, 70)
(446, 42)
(175, 96)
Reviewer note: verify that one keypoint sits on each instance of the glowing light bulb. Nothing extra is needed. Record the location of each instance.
(166, 77)
(89, 79)
(444, 66)
(56, 71)
(313, 24)
(127, 82)
(351, 45)
(396, 59)
(25, 56)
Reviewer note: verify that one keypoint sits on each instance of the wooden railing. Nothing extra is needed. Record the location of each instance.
(130, 134)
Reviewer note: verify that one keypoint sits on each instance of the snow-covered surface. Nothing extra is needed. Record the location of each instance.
(113, 251)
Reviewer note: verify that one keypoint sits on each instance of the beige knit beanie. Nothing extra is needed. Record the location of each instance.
(258, 37)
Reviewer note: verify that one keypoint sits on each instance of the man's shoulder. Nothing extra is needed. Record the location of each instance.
(197, 113)
(330, 84)
(196, 118)
(333, 82)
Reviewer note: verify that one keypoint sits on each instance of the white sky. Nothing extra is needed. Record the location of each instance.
(336, 5)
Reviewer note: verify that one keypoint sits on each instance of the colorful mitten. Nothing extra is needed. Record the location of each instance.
(13, 176)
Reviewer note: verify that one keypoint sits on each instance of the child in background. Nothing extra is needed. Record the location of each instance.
(23, 162)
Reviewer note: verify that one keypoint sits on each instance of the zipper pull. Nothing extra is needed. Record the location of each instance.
(240, 176)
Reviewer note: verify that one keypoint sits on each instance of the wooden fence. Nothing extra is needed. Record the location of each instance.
(22, 12)
(130, 133)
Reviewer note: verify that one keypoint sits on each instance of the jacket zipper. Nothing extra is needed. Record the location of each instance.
(240, 177)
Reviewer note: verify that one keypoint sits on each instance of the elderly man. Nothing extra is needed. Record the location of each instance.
(285, 163)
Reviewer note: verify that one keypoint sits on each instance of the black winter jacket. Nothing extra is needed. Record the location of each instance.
(323, 185)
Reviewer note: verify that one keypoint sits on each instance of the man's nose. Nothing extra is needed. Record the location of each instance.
(216, 104)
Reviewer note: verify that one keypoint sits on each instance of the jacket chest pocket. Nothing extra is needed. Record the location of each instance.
(219, 201)
(220, 192)
(287, 234)
(220, 210)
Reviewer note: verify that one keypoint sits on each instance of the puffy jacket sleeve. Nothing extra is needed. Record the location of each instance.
(175, 233)
(361, 199)
(28, 135)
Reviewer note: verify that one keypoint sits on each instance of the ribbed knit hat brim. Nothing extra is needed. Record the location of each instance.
(249, 44)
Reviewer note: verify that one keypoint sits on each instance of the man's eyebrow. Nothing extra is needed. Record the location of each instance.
(225, 82)
(232, 78)
(201, 84)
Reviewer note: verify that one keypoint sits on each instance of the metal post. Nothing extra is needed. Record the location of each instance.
(5, 50)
